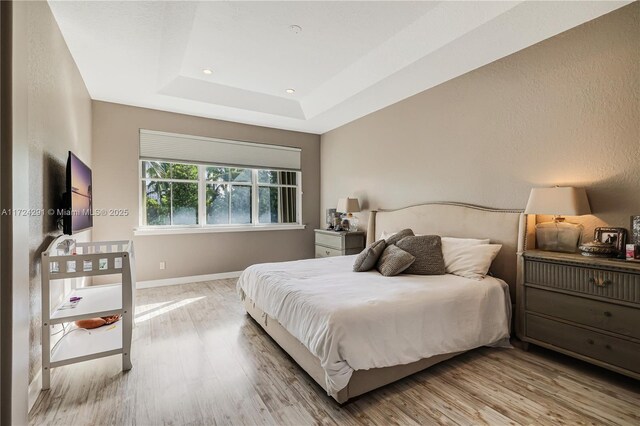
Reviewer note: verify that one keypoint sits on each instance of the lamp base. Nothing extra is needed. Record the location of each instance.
(351, 222)
(558, 236)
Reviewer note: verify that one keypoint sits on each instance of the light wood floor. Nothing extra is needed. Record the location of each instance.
(199, 359)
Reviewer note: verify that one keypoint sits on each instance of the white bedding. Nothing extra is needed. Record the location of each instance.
(362, 320)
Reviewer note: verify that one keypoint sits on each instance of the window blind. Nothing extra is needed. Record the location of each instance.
(156, 145)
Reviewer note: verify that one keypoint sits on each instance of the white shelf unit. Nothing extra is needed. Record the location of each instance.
(90, 259)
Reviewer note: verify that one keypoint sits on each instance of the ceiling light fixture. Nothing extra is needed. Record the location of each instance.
(207, 71)
(296, 29)
(290, 91)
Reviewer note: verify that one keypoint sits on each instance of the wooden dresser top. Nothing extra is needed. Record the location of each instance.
(578, 259)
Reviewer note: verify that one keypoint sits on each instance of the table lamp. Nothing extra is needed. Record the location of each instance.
(349, 206)
(558, 235)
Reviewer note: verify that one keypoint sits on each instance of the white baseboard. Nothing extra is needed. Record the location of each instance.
(34, 389)
(187, 280)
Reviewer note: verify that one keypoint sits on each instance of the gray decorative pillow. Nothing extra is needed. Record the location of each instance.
(368, 257)
(393, 261)
(398, 236)
(427, 250)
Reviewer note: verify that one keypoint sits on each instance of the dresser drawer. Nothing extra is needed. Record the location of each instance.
(330, 240)
(327, 252)
(597, 282)
(606, 316)
(618, 352)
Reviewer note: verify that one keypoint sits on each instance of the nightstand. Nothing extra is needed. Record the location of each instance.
(585, 307)
(331, 243)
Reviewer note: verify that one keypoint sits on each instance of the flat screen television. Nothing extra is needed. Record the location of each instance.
(78, 202)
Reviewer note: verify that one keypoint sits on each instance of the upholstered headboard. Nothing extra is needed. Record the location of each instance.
(506, 227)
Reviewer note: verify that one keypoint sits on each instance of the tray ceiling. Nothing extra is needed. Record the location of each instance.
(345, 59)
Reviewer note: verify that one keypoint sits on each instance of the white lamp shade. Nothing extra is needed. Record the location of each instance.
(558, 201)
(348, 205)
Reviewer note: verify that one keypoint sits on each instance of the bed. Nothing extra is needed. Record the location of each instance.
(355, 332)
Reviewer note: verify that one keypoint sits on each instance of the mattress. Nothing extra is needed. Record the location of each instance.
(358, 321)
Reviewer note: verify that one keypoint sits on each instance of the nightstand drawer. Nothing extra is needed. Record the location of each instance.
(327, 252)
(598, 282)
(335, 240)
(618, 352)
(606, 316)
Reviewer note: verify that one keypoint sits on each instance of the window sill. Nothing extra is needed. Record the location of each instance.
(143, 231)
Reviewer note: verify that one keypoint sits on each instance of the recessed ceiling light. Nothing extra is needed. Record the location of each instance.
(296, 29)
(290, 91)
(207, 71)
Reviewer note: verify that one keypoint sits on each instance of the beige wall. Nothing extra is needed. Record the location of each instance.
(116, 181)
(563, 112)
(58, 119)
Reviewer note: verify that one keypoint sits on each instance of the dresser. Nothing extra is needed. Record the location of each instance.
(582, 306)
(331, 243)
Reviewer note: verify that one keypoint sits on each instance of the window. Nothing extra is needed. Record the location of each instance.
(170, 193)
(190, 183)
(228, 196)
(277, 196)
(192, 195)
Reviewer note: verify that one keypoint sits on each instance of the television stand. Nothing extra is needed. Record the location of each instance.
(76, 344)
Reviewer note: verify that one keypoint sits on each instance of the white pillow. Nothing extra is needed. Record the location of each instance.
(449, 244)
(471, 261)
(386, 235)
(465, 241)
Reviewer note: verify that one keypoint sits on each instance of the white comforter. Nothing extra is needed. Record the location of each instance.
(357, 321)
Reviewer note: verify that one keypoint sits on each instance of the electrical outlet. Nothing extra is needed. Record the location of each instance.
(163, 265)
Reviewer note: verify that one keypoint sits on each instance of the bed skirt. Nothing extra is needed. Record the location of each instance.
(362, 381)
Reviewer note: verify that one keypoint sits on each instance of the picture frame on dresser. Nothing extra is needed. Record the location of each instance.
(330, 219)
(615, 236)
(635, 229)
